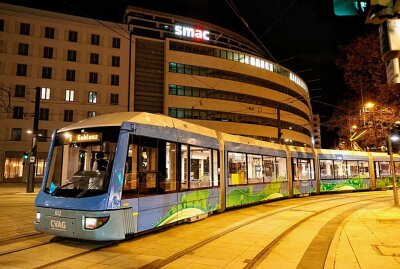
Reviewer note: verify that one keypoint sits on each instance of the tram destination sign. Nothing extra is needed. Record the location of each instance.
(87, 137)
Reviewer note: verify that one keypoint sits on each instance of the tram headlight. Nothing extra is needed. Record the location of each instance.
(92, 223)
(37, 219)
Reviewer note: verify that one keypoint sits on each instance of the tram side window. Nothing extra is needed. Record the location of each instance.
(184, 168)
(281, 169)
(269, 169)
(237, 168)
(216, 173)
(167, 166)
(254, 168)
(363, 169)
(397, 168)
(326, 168)
(55, 167)
(200, 167)
(340, 169)
(352, 169)
(147, 156)
(382, 169)
(304, 169)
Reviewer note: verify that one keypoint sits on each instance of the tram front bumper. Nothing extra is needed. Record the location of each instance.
(89, 225)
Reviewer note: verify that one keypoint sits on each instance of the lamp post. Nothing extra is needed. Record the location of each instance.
(129, 70)
(396, 198)
(32, 160)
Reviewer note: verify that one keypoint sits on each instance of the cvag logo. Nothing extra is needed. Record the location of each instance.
(58, 224)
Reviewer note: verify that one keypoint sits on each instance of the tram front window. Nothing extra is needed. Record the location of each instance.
(82, 162)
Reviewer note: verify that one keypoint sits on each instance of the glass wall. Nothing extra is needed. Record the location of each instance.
(153, 166)
(382, 169)
(13, 168)
(303, 169)
(341, 169)
(252, 169)
(237, 57)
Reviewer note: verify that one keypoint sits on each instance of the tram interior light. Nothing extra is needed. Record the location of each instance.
(92, 223)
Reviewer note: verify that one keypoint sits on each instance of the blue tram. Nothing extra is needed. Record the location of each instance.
(120, 174)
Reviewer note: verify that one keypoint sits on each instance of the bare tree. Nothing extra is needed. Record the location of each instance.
(365, 78)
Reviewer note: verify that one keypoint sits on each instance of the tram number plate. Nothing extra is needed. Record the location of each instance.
(64, 225)
(57, 213)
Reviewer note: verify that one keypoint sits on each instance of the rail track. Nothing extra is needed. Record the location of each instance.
(38, 243)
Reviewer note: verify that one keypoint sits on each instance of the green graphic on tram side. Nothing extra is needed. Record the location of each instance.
(192, 204)
(307, 189)
(345, 185)
(386, 182)
(242, 196)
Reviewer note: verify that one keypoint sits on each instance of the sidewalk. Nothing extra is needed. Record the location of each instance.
(369, 238)
(17, 210)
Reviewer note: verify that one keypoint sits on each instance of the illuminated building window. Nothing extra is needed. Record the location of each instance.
(91, 114)
(45, 93)
(69, 95)
(92, 97)
(13, 168)
(40, 165)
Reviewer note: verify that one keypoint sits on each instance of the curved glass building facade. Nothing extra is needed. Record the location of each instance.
(214, 77)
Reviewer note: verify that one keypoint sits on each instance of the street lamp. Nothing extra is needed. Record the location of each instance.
(367, 107)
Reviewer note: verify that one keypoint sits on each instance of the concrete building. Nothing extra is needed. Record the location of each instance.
(173, 65)
(317, 131)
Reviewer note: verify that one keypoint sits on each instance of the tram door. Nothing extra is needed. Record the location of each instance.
(147, 170)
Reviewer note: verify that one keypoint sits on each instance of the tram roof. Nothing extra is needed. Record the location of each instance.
(342, 152)
(251, 141)
(117, 119)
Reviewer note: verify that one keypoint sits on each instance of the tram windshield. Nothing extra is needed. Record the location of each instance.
(82, 162)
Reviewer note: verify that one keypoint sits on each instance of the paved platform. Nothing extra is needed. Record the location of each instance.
(366, 238)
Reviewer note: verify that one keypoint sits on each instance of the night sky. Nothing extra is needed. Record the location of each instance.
(302, 35)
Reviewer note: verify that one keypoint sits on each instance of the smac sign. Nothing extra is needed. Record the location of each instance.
(191, 32)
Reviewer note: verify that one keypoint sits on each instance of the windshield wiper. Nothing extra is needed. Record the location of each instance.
(91, 184)
(67, 184)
